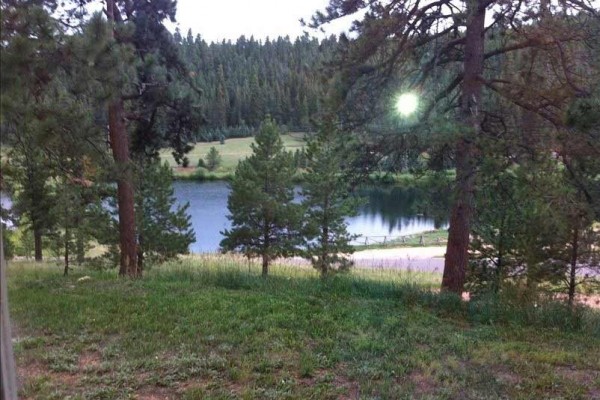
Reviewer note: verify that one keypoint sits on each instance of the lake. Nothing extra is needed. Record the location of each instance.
(386, 212)
(5, 204)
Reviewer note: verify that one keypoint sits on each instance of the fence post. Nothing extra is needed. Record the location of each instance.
(8, 389)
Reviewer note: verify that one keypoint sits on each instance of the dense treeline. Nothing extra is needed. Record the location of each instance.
(243, 81)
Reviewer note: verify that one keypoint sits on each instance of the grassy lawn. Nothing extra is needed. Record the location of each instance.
(210, 328)
(231, 152)
(437, 237)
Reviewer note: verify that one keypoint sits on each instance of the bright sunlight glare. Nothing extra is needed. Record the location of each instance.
(407, 104)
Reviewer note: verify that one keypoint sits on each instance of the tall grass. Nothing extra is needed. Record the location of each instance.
(410, 287)
(212, 327)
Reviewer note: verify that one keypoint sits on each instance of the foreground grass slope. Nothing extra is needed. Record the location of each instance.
(216, 330)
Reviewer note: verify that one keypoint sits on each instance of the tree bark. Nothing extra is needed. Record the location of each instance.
(573, 269)
(457, 256)
(125, 195)
(119, 143)
(325, 250)
(266, 242)
(37, 244)
(140, 254)
(80, 248)
(67, 248)
(265, 265)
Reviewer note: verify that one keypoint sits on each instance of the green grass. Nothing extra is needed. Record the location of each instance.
(437, 237)
(212, 328)
(231, 152)
(234, 150)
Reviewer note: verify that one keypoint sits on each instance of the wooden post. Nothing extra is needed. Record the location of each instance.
(8, 389)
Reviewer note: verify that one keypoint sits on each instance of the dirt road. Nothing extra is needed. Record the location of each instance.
(417, 258)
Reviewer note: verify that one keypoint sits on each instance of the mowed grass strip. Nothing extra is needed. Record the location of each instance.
(232, 151)
(212, 328)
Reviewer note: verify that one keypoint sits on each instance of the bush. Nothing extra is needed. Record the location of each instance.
(537, 311)
(21, 242)
(9, 247)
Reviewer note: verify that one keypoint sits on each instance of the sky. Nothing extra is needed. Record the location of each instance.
(216, 20)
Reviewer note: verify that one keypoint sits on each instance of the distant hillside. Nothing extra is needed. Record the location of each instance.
(243, 81)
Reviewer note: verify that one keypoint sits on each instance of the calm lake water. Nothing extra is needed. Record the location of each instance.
(386, 212)
(5, 204)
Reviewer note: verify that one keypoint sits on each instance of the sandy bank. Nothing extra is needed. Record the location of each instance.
(429, 259)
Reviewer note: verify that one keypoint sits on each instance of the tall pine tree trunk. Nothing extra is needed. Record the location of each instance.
(265, 265)
(139, 204)
(325, 244)
(266, 243)
(67, 248)
(573, 266)
(457, 258)
(80, 247)
(37, 244)
(119, 143)
(125, 197)
(140, 254)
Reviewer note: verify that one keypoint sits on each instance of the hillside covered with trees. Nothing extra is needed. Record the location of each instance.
(242, 81)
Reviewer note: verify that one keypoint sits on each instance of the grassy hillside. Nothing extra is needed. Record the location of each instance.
(231, 152)
(214, 329)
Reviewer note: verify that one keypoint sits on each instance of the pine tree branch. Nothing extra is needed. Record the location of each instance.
(443, 94)
(531, 42)
(556, 121)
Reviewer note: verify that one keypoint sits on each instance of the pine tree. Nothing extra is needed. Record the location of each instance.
(34, 197)
(213, 159)
(39, 119)
(221, 101)
(256, 109)
(164, 231)
(120, 145)
(68, 208)
(327, 201)
(264, 218)
(155, 107)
